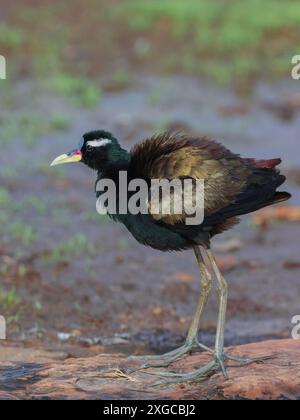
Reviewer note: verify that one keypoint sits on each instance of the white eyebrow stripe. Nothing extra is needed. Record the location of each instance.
(98, 143)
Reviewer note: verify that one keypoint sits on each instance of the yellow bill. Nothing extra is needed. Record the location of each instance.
(66, 158)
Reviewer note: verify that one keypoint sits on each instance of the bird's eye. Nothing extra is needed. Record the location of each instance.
(89, 148)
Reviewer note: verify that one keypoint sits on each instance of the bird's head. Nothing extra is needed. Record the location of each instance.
(95, 149)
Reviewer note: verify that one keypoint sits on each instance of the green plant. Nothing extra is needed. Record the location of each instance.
(10, 36)
(5, 198)
(7, 171)
(9, 299)
(121, 78)
(73, 247)
(234, 34)
(22, 232)
(40, 205)
(59, 123)
(81, 91)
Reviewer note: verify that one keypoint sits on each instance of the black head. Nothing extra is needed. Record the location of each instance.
(99, 147)
(95, 149)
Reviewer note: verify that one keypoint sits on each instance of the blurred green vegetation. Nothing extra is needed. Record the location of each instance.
(227, 40)
(80, 90)
(27, 127)
(14, 221)
(73, 247)
(10, 36)
(9, 299)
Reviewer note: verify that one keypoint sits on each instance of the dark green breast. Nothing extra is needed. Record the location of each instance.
(149, 233)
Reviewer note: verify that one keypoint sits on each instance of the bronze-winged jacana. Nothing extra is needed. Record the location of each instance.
(234, 186)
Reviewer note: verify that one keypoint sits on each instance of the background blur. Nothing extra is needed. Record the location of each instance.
(222, 68)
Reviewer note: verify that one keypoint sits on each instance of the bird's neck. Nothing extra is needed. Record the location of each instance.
(117, 159)
(114, 156)
(117, 154)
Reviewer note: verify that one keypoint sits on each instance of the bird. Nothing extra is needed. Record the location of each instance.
(233, 186)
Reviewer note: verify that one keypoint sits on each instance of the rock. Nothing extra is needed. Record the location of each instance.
(112, 376)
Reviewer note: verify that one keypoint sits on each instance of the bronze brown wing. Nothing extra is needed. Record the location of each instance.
(233, 186)
(176, 156)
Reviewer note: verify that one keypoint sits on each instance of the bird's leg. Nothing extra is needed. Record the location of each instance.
(223, 297)
(219, 356)
(192, 337)
(206, 281)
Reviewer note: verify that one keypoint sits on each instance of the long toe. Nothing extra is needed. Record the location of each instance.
(144, 357)
(170, 354)
(199, 374)
(247, 361)
(166, 359)
(175, 378)
(170, 358)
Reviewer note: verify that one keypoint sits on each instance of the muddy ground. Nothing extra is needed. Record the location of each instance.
(73, 280)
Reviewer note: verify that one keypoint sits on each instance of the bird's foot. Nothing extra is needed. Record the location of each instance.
(245, 360)
(176, 378)
(218, 362)
(166, 359)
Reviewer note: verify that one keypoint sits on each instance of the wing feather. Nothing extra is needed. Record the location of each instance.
(177, 156)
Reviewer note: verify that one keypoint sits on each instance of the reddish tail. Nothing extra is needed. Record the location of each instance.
(265, 164)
